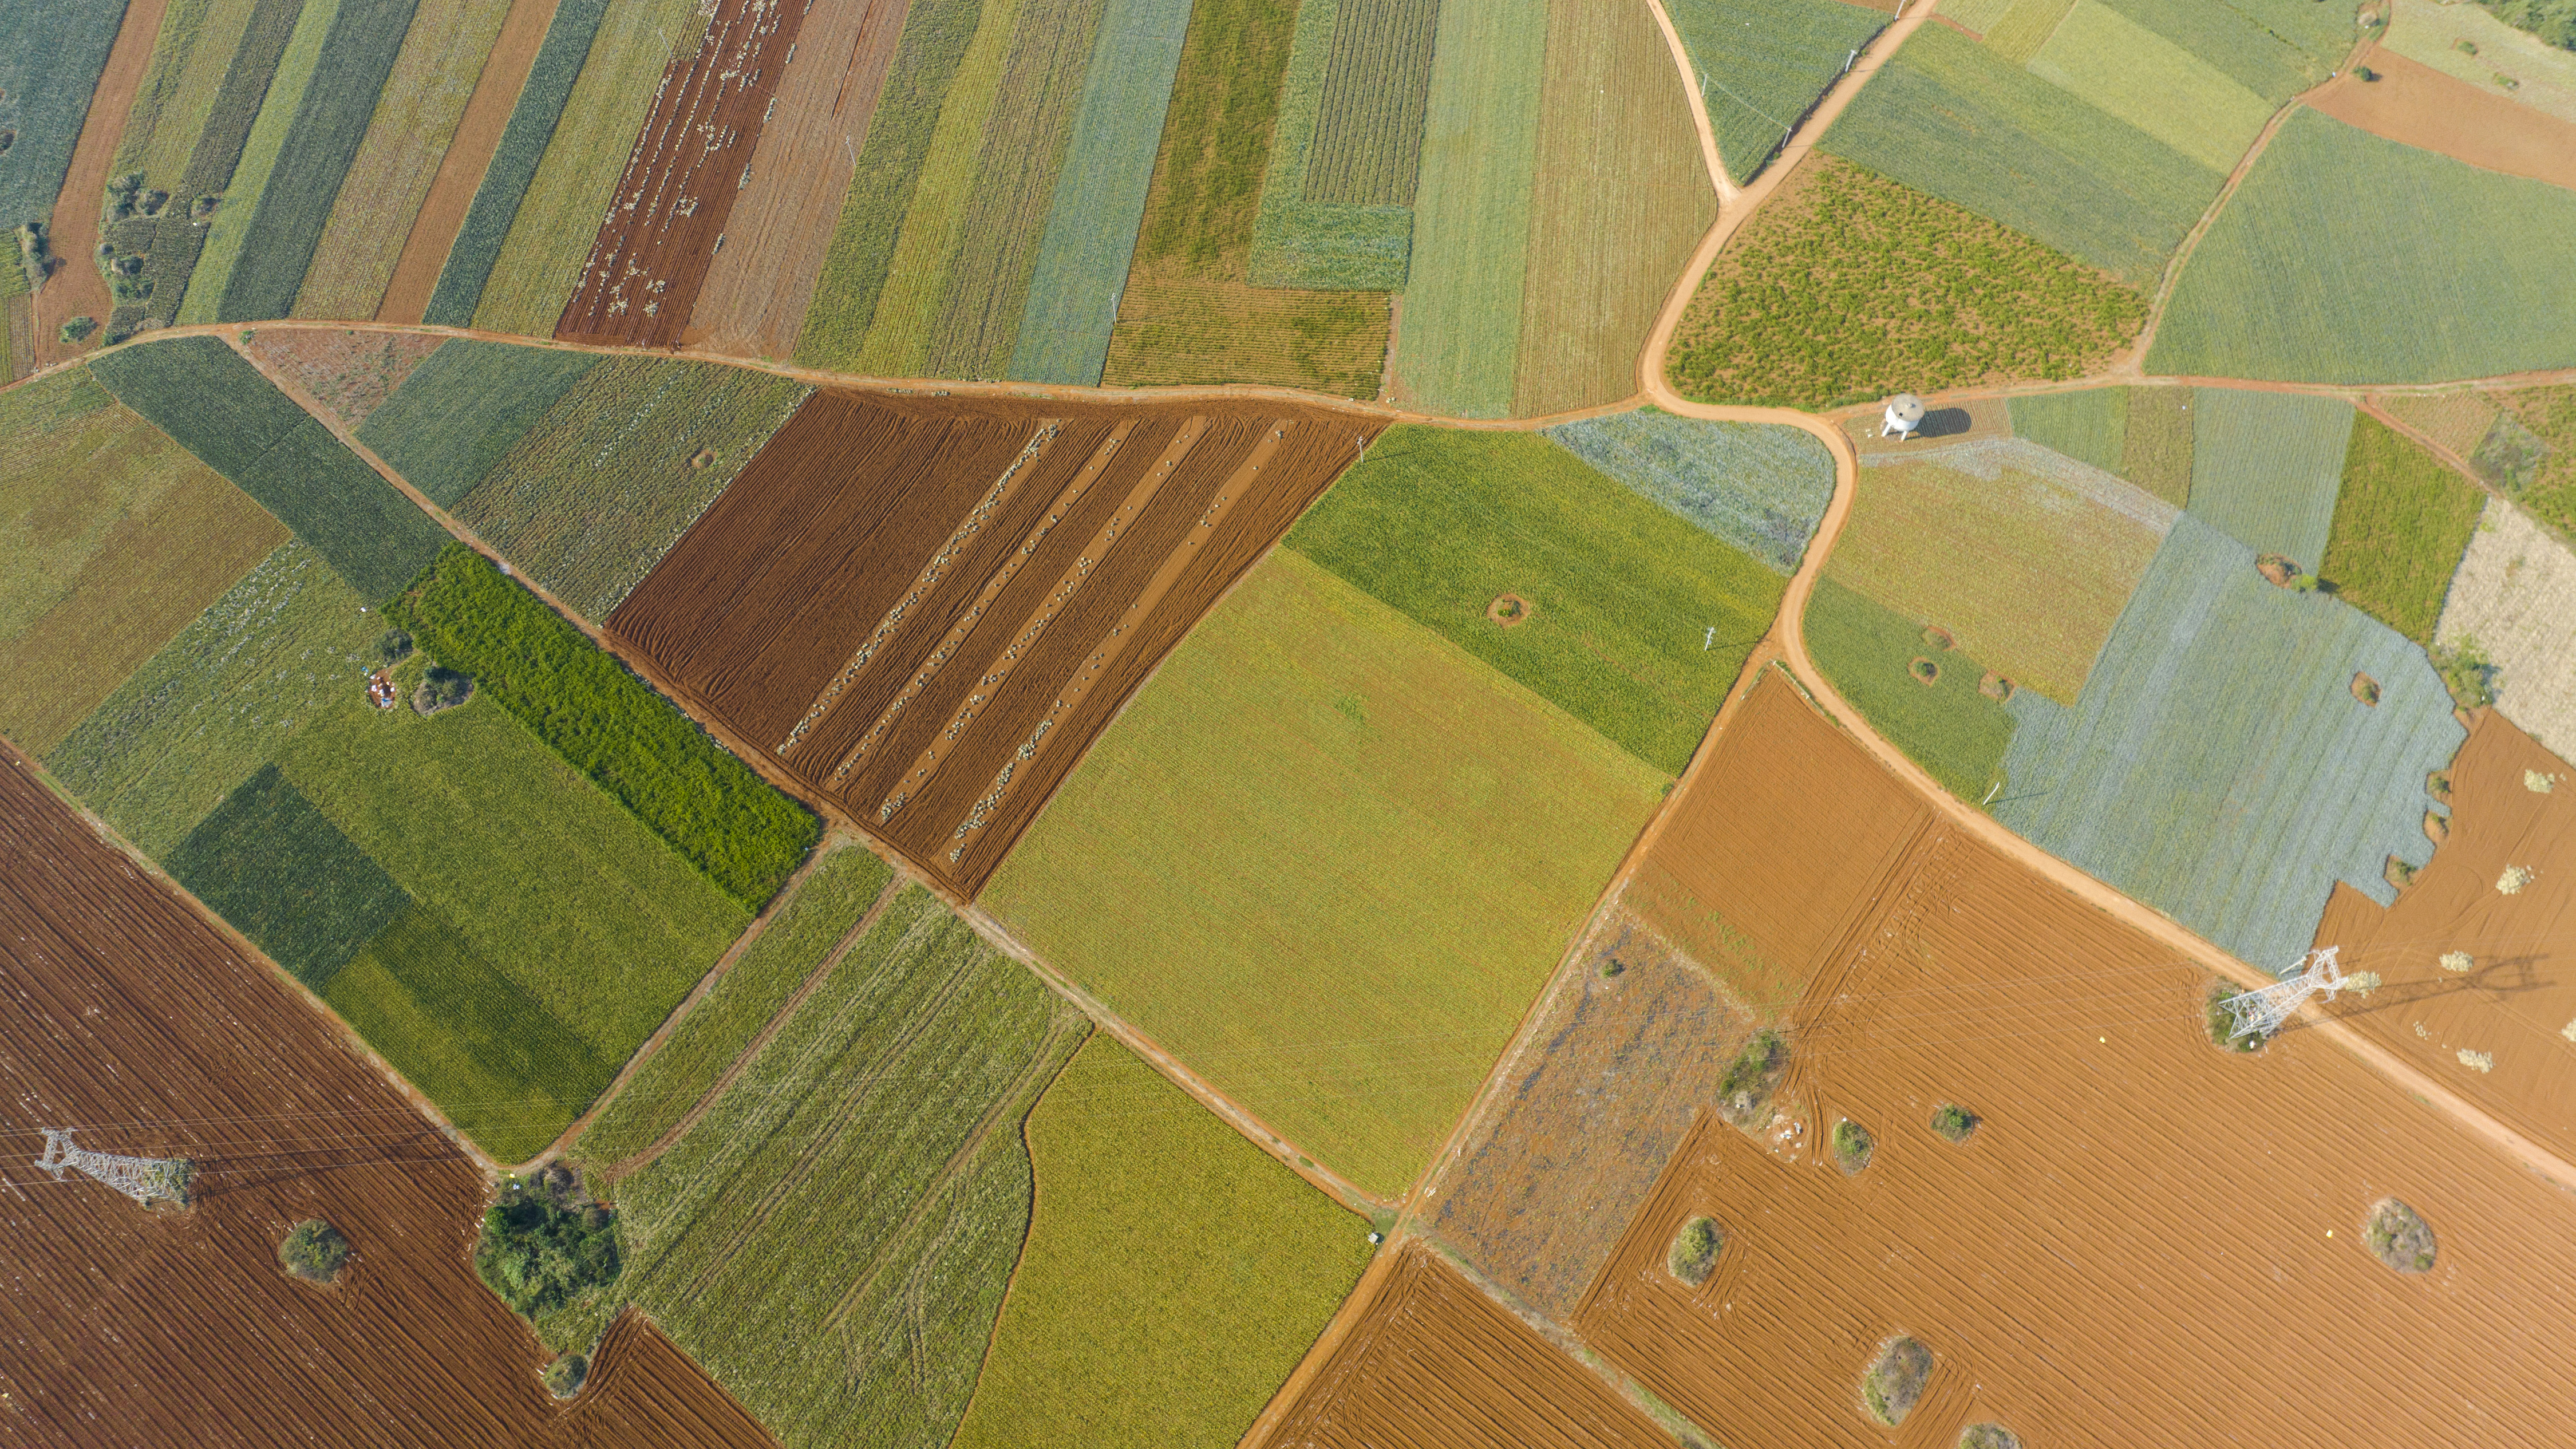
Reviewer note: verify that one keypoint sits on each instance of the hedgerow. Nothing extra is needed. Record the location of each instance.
(742, 834)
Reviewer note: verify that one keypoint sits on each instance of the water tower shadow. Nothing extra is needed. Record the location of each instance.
(1945, 423)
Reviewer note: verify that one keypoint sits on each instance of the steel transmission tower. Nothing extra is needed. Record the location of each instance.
(2261, 1012)
(143, 1179)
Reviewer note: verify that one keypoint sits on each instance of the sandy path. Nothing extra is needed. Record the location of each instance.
(1727, 190)
(469, 154)
(76, 289)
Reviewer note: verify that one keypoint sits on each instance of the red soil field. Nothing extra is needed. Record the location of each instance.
(2417, 105)
(76, 289)
(757, 289)
(351, 373)
(924, 609)
(469, 155)
(682, 179)
(2517, 999)
(2142, 1242)
(133, 1019)
(1434, 1364)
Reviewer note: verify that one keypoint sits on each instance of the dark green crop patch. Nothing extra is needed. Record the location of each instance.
(271, 863)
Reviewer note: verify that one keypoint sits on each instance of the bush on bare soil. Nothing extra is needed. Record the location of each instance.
(2222, 1026)
(563, 1377)
(1746, 1088)
(2399, 1237)
(1852, 1146)
(545, 1241)
(313, 1251)
(1954, 1121)
(1695, 1249)
(1895, 1381)
(1988, 1436)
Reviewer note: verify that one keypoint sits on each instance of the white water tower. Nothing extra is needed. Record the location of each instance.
(1904, 415)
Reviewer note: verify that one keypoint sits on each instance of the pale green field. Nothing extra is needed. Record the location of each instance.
(2153, 84)
(258, 161)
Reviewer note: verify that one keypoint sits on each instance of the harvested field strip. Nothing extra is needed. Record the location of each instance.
(1100, 195)
(1639, 620)
(50, 59)
(2402, 522)
(2217, 765)
(1126, 1321)
(2023, 556)
(272, 137)
(1297, 243)
(1187, 330)
(1763, 64)
(1950, 117)
(539, 261)
(416, 115)
(2151, 83)
(351, 373)
(482, 123)
(834, 1237)
(196, 43)
(2265, 467)
(2463, 277)
(283, 1122)
(691, 160)
(2091, 427)
(1377, 82)
(1620, 201)
(464, 408)
(1760, 487)
(2515, 598)
(1330, 937)
(214, 154)
(1947, 724)
(1459, 348)
(514, 163)
(1437, 1365)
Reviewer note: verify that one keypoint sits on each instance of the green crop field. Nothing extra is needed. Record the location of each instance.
(1951, 117)
(2153, 84)
(593, 495)
(2091, 427)
(2541, 478)
(1760, 487)
(1377, 84)
(2449, 272)
(463, 409)
(1174, 1272)
(2025, 557)
(272, 133)
(812, 921)
(1298, 242)
(1848, 286)
(1947, 725)
(2402, 519)
(73, 466)
(2264, 467)
(1458, 351)
(189, 56)
(2156, 453)
(833, 1239)
(558, 216)
(2274, 48)
(1100, 195)
(657, 762)
(1300, 861)
(51, 53)
(2218, 766)
(514, 163)
(1623, 595)
(202, 393)
(1763, 63)
(285, 876)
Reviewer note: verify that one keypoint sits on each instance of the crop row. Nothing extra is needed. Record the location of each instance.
(51, 54)
(272, 134)
(1377, 85)
(2265, 466)
(2402, 521)
(213, 143)
(1319, 245)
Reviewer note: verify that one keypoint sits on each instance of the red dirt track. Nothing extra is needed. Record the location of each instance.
(134, 1020)
(923, 609)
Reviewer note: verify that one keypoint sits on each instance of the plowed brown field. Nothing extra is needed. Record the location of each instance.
(925, 608)
(690, 164)
(2419, 106)
(129, 1017)
(2515, 1003)
(2145, 1240)
(349, 372)
(1434, 1364)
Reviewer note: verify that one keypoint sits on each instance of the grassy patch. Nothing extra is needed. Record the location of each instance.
(810, 924)
(50, 58)
(1438, 523)
(2347, 258)
(1765, 63)
(1746, 1087)
(1850, 286)
(2221, 1022)
(1895, 1379)
(1951, 729)
(1760, 487)
(2153, 84)
(283, 875)
(537, 1249)
(2265, 467)
(2091, 426)
(314, 1251)
(1174, 1272)
(1299, 242)
(1343, 935)
(2401, 522)
(463, 409)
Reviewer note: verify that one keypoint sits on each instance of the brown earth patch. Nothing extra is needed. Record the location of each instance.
(76, 289)
(351, 373)
(1509, 609)
(469, 155)
(1956, 422)
(2366, 689)
(2417, 105)
(1995, 687)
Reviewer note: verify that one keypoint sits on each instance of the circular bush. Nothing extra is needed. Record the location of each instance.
(2399, 1237)
(1954, 1121)
(1925, 671)
(313, 1251)
(563, 1377)
(1988, 1436)
(1895, 1382)
(1695, 1249)
(1852, 1146)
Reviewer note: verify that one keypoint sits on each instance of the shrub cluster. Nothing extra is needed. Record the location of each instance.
(1694, 1251)
(543, 1244)
(313, 1251)
(1748, 1081)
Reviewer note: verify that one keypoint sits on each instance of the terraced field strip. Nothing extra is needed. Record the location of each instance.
(207, 124)
(1298, 243)
(465, 161)
(1377, 85)
(52, 56)
(266, 134)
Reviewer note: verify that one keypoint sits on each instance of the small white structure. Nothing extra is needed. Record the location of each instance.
(1904, 415)
(2262, 1011)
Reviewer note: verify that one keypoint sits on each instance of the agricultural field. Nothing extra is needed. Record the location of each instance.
(1947, 724)
(216, 404)
(2266, 466)
(418, 108)
(50, 59)
(593, 493)
(275, 867)
(2150, 82)
(226, 1065)
(462, 408)
(1633, 619)
(2421, 107)
(2514, 599)
(350, 373)
(1956, 119)
(2456, 421)
(1847, 286)
(1762, 65)
(2469, 43)
(2529, 453)
(275, 146)
(2091, 427)
(1050, 552)
(1173, 1276)
(2402, 521)
(812, 926)
(2220, 764)
(2144, 434)
(1761, 488)
(1280, 865)
(833, 1239)
(2458, 273)
(1301, 240)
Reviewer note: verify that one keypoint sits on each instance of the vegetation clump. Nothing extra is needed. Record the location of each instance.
(544, 1242)
(1746, 1087)
(1694, 1251)
(1988, 1436)
(1895, 1382)
(442, 688)
(2468, 673)
(393, 647)
(77, 329)
(1852, 1148)
(2399, 1237)
(563, 1377)
(313, 1251)
(2222, 1024)
(1954, 1121)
